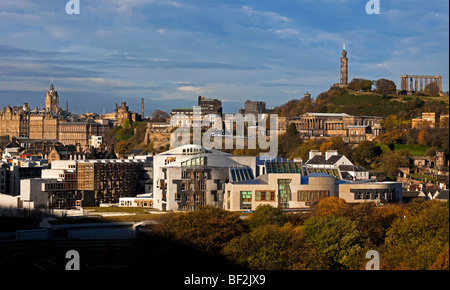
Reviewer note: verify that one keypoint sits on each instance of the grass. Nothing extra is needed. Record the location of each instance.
(415, 150)
(134, 214)
(130, 210)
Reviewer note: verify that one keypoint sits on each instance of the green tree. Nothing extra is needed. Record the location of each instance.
(417, 240)
(267, 215)
(270, 247)
(337, 238)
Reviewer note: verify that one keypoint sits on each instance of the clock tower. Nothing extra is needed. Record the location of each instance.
(52, 100)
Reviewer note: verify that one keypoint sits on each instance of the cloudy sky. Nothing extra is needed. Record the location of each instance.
(170, 52)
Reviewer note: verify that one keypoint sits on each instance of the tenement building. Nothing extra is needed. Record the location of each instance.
(81, 132)
(15, 121)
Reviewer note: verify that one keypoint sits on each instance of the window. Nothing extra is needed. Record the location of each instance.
(312, 195)
(246, 200)
(284, 192)
(264, 195)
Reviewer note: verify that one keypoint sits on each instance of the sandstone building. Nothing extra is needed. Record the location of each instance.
(353, 129)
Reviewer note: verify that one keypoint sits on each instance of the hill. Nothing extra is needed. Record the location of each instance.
(340, 100)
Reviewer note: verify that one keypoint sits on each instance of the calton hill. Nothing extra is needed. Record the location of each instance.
(389, 152)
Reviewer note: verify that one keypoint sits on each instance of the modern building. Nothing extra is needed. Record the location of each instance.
(192, 176)
(186, 117)
(72, 183)
(255, 108)
(294, 186)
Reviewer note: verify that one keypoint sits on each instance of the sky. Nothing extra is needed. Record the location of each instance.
(169, 52)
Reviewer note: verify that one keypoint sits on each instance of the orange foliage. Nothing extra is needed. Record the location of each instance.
(331, 205)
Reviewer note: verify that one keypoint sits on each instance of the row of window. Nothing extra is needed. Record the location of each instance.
(195, 161)
(269, 195)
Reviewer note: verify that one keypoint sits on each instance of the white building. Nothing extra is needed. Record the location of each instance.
(191, 176)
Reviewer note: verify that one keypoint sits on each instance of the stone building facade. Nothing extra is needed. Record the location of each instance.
(81, 132)
(15, 121)
(353, 129)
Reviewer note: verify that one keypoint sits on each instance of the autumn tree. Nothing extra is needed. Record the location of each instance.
(337, 238)
(330, 206)
(432, 89)
(209, 228)
(267, 215)
(385, 87)
(366, 152)
(289, 141)
(360, 85)
(271, 247)
(159, 116)
(390, 162)
(423, 231)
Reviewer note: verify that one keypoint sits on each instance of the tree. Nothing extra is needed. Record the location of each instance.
(331, 206)
(423, 231)
(267, 215)
(337, 238)
(159, 116)
(270, 247)
(432, 89)
(390, 163)
(122, 147)
(365, 153)
(385, 87)
(126, 123)
(369, 223)
(289, 141)
(208, 229)
(360, 85)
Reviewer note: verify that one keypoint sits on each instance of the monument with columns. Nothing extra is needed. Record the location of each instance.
(417, 83)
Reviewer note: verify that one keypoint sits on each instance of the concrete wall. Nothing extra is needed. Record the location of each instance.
(8, 201)
(347, 191)
(31, 190)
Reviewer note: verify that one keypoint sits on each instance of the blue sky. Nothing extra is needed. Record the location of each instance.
(171, 51)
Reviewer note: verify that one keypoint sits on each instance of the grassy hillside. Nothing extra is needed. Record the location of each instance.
(339, 100)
